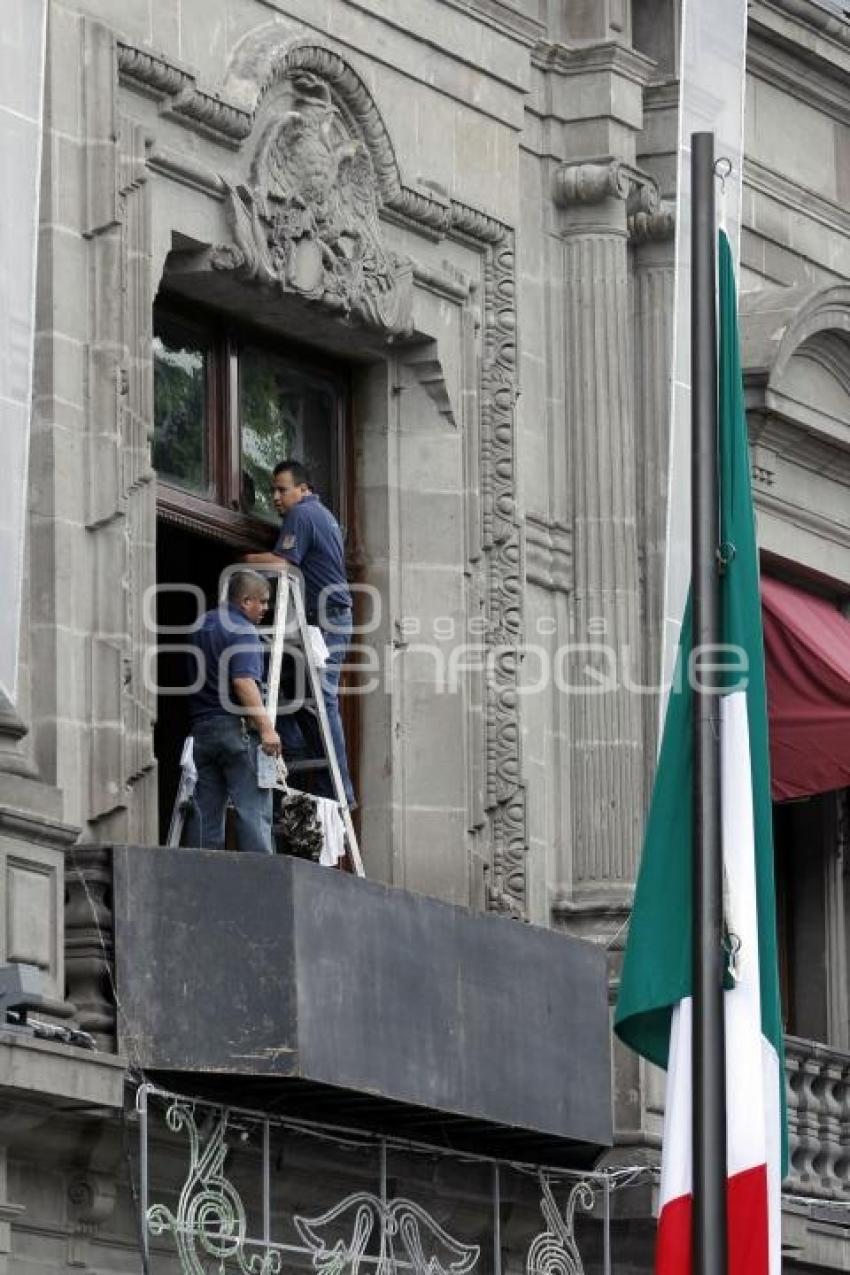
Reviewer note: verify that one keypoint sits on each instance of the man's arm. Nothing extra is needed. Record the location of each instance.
(247, 692)
(268, 559)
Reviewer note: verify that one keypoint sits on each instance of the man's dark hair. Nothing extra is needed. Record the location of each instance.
(300, 473)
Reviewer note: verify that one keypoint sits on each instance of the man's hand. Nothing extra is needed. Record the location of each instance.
(247, 692)
(270, 740)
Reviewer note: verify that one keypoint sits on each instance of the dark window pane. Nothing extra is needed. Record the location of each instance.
(180, 362)
(285, 412)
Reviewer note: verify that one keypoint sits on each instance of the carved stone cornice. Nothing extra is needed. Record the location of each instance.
(176, 88)
(800, 199)
(594, 180)
(801, 72)
(502, 17)
(604, 56)
(812, 15)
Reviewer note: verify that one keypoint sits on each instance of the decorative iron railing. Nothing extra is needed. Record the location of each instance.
(234, 1206)
(818, 1091)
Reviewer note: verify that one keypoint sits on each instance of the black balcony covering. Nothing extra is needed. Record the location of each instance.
(270, 982)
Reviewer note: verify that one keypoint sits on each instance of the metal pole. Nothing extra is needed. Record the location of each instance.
(606, 1221)
(709, 1089)
(383, 1172)
(267, 1186)
(142, 1108)
(497, 1221)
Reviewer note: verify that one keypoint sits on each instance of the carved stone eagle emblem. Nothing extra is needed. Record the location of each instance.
(309, 222)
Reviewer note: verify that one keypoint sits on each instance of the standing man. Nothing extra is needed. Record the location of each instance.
(310, 539)
(229, 722)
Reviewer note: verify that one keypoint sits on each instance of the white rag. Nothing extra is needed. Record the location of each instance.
(333, 831)
(321, 654)
(187, 761)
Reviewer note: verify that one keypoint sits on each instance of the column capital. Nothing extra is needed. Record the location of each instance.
(591, 181)
(652, 225)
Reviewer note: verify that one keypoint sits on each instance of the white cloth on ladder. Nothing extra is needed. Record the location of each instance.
(187, 762)
(333, 831)
(321, 654)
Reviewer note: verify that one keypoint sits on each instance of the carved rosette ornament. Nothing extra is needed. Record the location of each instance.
(309, 223)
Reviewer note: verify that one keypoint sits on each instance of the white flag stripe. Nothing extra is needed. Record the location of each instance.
(774, 1076)
(745, 1098)
(677, 1154)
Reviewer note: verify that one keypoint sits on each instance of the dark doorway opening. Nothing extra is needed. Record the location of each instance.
(189, 565)
(186, 562)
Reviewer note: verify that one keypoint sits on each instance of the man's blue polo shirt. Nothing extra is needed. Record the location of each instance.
(311, 540)
(229, 646)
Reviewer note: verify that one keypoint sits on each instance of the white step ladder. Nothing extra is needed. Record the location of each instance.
(288, 601)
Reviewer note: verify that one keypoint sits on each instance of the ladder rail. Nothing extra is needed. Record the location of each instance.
(325, 729)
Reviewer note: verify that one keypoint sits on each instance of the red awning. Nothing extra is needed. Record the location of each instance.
(807, 659)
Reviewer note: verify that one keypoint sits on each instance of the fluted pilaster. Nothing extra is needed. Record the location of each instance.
(654, 270)
(606, 728)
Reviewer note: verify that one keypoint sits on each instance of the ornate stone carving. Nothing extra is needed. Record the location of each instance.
(176, 88)
(549, 554)
(591, 182)
(309, 222)
(92, 1198)
(649, 225)
(503, 554)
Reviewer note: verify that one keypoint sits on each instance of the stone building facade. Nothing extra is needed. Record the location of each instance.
(446, 229)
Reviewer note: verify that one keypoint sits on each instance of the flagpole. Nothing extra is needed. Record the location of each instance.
(709, 1089)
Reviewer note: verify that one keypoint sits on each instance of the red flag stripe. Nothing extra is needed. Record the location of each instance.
(746, 1204)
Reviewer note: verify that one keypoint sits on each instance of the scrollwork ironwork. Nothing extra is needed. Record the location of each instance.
(400, 1224)
(210, 1219)
(555, 1251)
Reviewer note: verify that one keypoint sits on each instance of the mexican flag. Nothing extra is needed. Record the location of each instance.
(654, 1007)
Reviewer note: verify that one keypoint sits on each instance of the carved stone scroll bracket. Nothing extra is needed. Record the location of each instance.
(592, 181)
(91, 1197)
(424, 364)
(652, 225)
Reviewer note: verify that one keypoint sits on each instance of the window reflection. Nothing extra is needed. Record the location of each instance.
(180, 409)
(284, 411)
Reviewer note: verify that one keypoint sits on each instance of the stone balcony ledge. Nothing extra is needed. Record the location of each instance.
(818, 1094)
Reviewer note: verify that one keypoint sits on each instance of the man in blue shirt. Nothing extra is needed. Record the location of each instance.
(310, 539)
(229, 721)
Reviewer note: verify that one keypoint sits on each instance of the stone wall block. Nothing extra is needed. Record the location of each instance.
(100, 78)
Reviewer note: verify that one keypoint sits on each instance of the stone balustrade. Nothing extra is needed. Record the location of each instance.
(818, 1092)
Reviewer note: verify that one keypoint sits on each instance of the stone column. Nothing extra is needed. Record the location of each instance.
(651, 234)
(605, 716)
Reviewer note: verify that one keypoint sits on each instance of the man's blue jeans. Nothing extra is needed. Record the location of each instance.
(226, 759)
(299, 730)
